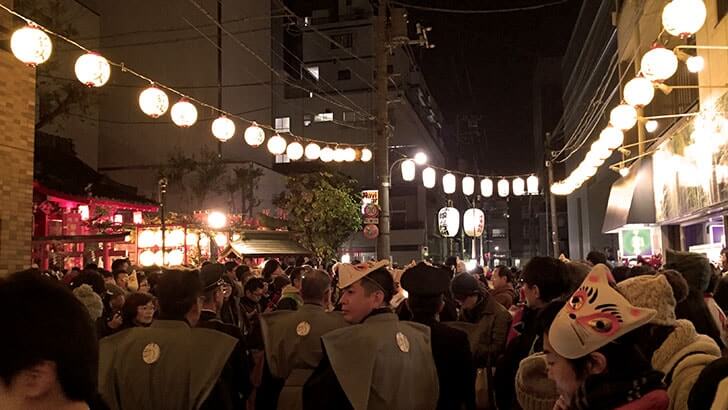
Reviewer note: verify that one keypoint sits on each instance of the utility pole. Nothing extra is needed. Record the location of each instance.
(552, 200)
(381, 142)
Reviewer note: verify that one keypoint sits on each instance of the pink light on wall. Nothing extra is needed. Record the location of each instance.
(118, 219)
(137, 218)
(83, 210)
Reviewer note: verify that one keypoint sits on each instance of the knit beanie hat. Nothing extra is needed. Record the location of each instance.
(534, 389)
(464, 284)
(90, 299)
(651, 291)
(694, 267)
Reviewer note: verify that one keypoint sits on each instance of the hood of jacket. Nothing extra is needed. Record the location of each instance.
(683, 341)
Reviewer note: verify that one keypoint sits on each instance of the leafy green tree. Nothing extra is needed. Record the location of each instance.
(247, 179)
(323, 211)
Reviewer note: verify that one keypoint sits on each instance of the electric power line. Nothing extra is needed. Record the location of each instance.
(487, 11)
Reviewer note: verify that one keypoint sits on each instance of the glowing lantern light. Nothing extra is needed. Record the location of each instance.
(137, 217)
(611, 137)
(468, 185)
(651, 126)
(294, 151)
(682, 18)
(659, 64)
(254, 135)
(159, 258)
(623, 117)
(473, 222)
(429, 177)
(84, 211)
(184, 113)
(191, 239)
(346, 258)
(313, 151)
(175, 257)
(486, 187)
(223, 128)
(624, 171)
(221, 239)
(532, 185)
(695, 64)
(408, 170)
(153, 102)
(519, 187)
(421, 158)
(339, 155)
(327, 154)
(204, 241)
(31, 45)
(216, 220)
(503, 188)
(146, 239)
(639, 91)
(118, 219)
(350, 154)
(449, 183)
(276, 145)
(600, 149)
(147, 258)
(92, 70)
(366, 155)
(448, 221)
(175, 238)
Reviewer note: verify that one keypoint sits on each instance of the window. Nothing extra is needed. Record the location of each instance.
(346, 40)
(349, 116)
(282, 159)
(314, 71)
(344, 75)
(498, 233)
(324, 117)
(283, 124)
(307, 120)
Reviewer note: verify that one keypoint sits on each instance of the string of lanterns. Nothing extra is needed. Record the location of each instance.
(32, 45)
(680, 18)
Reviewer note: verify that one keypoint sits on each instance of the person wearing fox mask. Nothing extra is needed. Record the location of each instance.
(591, 354)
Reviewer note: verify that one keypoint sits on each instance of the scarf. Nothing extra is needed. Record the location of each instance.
(602, 392)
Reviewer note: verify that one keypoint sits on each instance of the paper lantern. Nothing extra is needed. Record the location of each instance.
(175, 257)
(429, 177)
(659, 64)
(223, 128)
(421, 158)
(503, 188)
(449, 184)
(474, 222)
(468, 185)
(221, 239)
(519, 186)
(611, 137)
(204, 241)
(486, 187)
(153, 102)
(276, 145)
(184, 113)
(448, 221)
(216, 220)
(639, 92)
(623, 116)
(651, 126)
(683, 18)
(191, 239)
(147, 258)
(339, 155)
(409, 170)
(92, 70)
(349, 154)
(254, 135)
(532, 185)
(31, 45)
(327, 154)
(366, 155)
(174, 238)
(294, 151)
(313, 150)
(695, 64)
(146, 239)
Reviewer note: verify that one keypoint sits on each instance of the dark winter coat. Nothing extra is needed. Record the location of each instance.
(505, 295)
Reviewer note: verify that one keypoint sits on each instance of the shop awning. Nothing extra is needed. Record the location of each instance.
(264, 244)
(631, 199)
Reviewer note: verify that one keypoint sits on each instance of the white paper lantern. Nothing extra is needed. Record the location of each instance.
(146, 239)
(659, 64)
(174, 238)
(612, 138)
(254, 135)
(147, 258)
(468, 185)
(486, 187)
(421, 158)
(313, 150)
(409, 169)
(31, 45)
(276, 145)
(223, 128)
(623, 117)
(651, 126)
(448, 221)
(92, 70)
(294, 151)
(429, 177)
(473, 222)
(503, 188)
(184, 113)
(695, 64)
(327, 154)
(153, 102)
(449, 183)
(339, 155)
(683, 18)
(221, 239)
(366, 155)
(216, 220)
(532, 185)
(175, 257)
(639, 92)
(191, 239)
(350, 154)
(519, 186)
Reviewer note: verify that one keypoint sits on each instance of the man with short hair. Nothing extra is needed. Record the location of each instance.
(49, 351)
(170, 364)
(291, 294)
(378, 362)
(253, 290)
(292, 339)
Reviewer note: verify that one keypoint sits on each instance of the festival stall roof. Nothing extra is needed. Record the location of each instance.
(264, 243)
(631, 200)
(59, 173)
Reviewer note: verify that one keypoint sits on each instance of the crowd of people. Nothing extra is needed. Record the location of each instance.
(558, 334)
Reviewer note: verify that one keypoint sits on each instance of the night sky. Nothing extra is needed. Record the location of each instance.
(483, 64)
